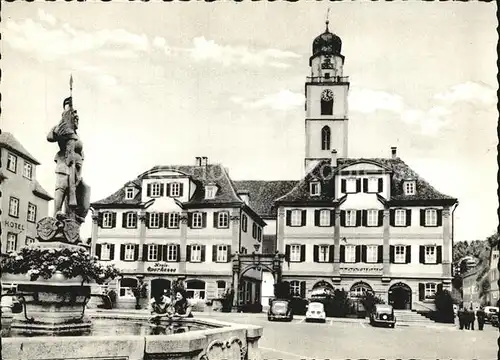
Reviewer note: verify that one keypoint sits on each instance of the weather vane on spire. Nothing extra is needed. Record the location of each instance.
(327, 18)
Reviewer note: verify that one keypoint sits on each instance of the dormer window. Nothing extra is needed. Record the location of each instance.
(410, 187)
(174, 189)
(351, 185)
(210, 191)
(315, 188)
(155, 189)
(129, 193)
(28, 170)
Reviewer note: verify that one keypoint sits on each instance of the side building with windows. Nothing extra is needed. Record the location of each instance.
(178, 222)
(23, 200)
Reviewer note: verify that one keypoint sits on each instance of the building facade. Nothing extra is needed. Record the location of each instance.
(23, 200)
(178, 222)
(493, 293)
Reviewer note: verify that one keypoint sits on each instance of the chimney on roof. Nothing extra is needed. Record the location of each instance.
(204, 161)
(334, 158)
(245, 196)
(198, 161)
(394, 152)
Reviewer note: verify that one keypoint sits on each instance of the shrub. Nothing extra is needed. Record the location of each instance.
(282, 290)
(299, 305)
(444, 306)
(369, 300)
(337, 304)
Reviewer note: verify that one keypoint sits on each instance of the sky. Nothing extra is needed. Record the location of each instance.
(163, 83)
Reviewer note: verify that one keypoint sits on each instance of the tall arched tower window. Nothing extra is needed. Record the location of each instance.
(327, 102)
(325, 138)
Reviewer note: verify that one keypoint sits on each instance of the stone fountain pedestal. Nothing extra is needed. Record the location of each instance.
(55, 305)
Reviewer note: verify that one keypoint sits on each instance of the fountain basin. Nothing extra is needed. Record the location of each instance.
(204, 340)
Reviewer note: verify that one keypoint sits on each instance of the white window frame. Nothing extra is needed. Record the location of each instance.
(399, 254)
(129, 253)
(11, 242)
(350, 185)
(28, 170)
(173, 220)
(350, 253)
(399, 217)
(371, 254)
(105, 251)
(371, 217)
(107, 220)
(154, 220)
(359, 290)
(156, 189)
(223, 219)
(129, 193)
(197, 221)
(350, 218)
(295, 287)
(315, 188)
(14, 206)
(31, 216)
(430, 290)
(12, 162)
(172, 253)
(195, 253)
(373, 185)
(221, 253)
(324, 217)
(410, 187)
(296, 217)
(175, 189)
(323, 253)
(131, 220)
(430, 217)
(153, 252)
(210, 191)
(295, 253)
(430, 254)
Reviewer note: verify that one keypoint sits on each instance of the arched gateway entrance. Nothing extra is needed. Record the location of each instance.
(246, 266)
(400, 296)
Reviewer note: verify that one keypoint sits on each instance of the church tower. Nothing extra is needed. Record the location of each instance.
(326, 101)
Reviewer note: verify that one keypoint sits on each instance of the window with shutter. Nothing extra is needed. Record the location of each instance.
(373, 185)
(171, 252)
(152, 252)
(430, 217)
(371, 217)
(223, 220)
(197, 220)
(324, 217)
(399, 217)
(430, 290)
(315, 189)
(295, 253)
(154, 220)
(296, 217)
(129, 254)
(131, 220)
(156, 189)
(175, 189)
(195, 253)
(105, 252)
(295, 288)
(350, 218)
(107, 220)
(350, 253)
(399, 254)
(351, 186)
(371, 253)
(222, 253)
(430, 254)
(173, 220)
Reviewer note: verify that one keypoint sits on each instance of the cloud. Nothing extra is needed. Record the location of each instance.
(469, 92)
(283, 100)
(49, 19)
(204, 49)
(367, 101)
(47, 42)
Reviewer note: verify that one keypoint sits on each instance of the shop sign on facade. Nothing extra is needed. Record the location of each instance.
(368, 269)
(161, 267)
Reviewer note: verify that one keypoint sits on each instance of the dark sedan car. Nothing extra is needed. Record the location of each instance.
(382, 315)
(280, 309)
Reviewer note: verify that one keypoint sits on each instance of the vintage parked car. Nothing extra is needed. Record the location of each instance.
(315, 312)
(490, 311)
(494, 320)
(280, 309)
(382, 315)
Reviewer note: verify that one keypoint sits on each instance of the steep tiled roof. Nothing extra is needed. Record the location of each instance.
(40, 191)
(201, 175)
(8, 141)
(263, 193)
(400, 171)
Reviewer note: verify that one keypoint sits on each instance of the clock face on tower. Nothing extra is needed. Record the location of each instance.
(327, 95)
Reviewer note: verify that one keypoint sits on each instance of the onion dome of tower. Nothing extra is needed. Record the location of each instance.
(327, 43)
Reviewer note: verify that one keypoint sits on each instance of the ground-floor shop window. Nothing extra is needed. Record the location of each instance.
(295, 288)
(125, 287)
(195, 289)
(360, 289)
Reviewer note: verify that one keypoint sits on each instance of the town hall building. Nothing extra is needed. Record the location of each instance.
(359, 224)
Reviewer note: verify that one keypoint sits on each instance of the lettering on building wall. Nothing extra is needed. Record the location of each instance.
(14, 225)
(361, 269)
(161, 267)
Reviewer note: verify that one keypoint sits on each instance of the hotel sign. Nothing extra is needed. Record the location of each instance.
(14, 225)
(160, 267)
(368, 269)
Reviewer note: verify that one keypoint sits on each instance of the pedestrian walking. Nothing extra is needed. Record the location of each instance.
(461, 318)
(481, 318)
(472, 318)
(467, 319)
